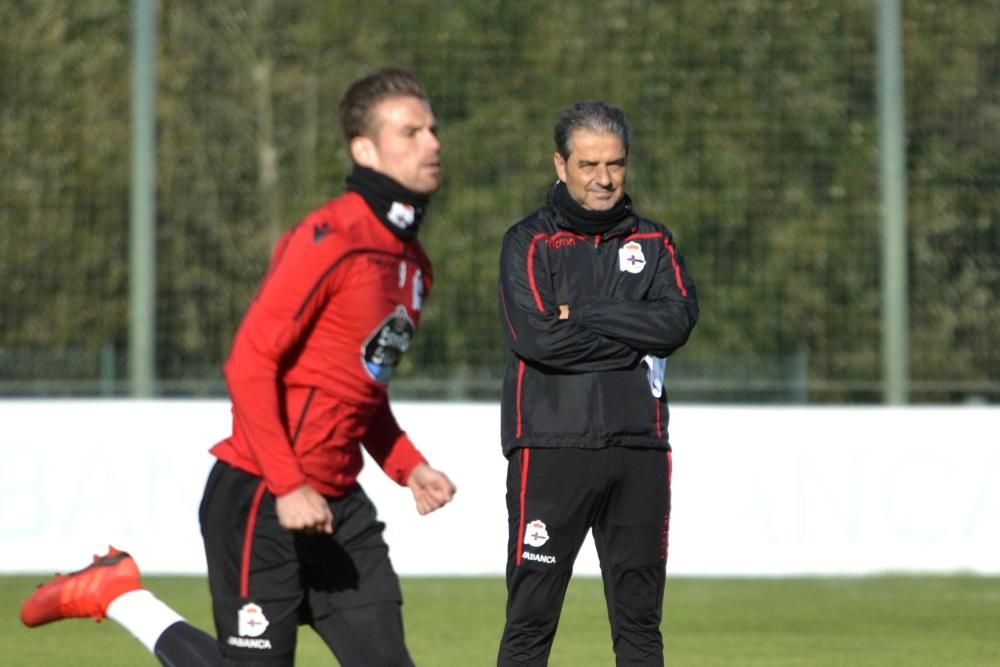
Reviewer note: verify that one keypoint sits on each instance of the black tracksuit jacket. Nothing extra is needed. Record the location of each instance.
(581, 382)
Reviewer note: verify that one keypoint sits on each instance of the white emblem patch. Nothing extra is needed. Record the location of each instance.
(402, 215)
(251, 620)
(535, 535)
(630, 257)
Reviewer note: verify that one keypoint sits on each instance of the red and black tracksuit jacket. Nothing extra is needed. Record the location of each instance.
(580, 382)
(311, 361)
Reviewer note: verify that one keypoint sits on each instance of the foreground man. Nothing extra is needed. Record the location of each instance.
(593, 298)
(290, 537)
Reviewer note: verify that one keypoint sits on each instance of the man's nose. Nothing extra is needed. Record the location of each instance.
(433, 143)
(603, 176)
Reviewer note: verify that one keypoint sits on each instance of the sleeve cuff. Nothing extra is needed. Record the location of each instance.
(403, 459)
(285, 487)
(578, 312)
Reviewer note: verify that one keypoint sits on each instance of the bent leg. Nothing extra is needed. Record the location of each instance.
(354, 600)
(183, 645)
(253, 570)
(371, 635)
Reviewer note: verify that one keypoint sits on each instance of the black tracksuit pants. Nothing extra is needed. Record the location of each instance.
(554, 496)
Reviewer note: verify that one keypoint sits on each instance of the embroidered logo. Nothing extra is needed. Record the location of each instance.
(560, 241)
(630, 257)
(321, 231)
(402, 215)
(535, 535)
(251, 621)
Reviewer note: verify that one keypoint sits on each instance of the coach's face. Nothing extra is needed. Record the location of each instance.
(594, 171)
(402, 142)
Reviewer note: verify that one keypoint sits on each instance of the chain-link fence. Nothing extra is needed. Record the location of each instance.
(755, 140)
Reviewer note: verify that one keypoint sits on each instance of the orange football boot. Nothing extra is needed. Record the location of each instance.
(87, 592)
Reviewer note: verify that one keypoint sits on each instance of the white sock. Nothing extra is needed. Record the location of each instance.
(142, 614)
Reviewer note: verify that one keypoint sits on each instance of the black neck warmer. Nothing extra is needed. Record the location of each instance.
(587, 221)
(399, 209)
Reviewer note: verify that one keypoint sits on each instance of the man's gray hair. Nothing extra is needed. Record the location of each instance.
(597, 117)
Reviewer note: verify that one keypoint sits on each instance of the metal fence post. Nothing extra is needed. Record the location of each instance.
(142, 223)
(892, 167)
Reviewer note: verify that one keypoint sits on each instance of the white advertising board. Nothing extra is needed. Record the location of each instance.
(757, 491)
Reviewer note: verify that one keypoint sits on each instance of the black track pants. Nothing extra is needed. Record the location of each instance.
(554, 496)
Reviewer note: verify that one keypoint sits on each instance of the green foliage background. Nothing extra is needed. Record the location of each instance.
(754, 141)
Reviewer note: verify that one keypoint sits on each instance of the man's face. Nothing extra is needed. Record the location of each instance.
(594, 172)
(403, 144)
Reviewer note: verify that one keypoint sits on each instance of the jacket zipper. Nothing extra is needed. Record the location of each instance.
(598, 280)
(597, 264)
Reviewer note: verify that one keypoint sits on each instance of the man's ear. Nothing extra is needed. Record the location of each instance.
(560, 164)
(363, 152)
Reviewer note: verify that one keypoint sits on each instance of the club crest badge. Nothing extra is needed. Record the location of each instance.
(386, 344)
(630, 257)
(251, 620)
(535, 534)
(402, 215)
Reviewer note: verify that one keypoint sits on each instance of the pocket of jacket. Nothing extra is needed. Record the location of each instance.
(627, 405)
(558, 405)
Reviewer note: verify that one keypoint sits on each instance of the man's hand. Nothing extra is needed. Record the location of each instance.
(563, 311)
(305, 510)
(431, 488)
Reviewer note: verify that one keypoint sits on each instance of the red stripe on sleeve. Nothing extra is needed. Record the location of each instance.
(673, 256)
(677, 268)
(531, 272)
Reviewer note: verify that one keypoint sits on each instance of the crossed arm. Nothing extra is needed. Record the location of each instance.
(592, 333)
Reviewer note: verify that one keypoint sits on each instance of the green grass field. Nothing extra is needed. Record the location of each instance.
(455, 622)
